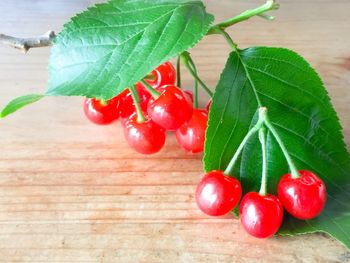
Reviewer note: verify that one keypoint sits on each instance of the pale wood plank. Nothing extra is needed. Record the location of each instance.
(74, 192)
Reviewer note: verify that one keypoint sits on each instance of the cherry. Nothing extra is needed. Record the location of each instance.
(145, 137)
(191, 134)
(261, 215)
(208, 105)
(101, 113)
(217, 194)
(164, 74)
(171, 109)
(302, 197)
(127, 107)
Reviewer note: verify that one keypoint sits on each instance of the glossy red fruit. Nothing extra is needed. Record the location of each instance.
(261, 216)
(217, 194)
(171, 109)
(303, 197)
(146, 137)
(164, 74)
(191, 134)
(101, 113)
(127, 106)
(208, 105)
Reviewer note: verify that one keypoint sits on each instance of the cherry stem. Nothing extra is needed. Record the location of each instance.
(178, 72)
(259, 11)
(187, 60)
(227, 37)
(292, 167)
(262, 139)
(195, 89)
(251, 132)
(155, 94)
(135, 96)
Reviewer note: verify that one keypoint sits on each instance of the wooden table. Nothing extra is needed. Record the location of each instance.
(74, 192)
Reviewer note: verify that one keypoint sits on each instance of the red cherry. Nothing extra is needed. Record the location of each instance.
(101, 113)
(145, 137)
(164, 74)
(171, 109)
(217, 194)
(261, 216)
(208, 105)
(191, 134)
(303, 197)
(127, 106)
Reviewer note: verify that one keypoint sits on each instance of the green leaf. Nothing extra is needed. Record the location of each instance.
(113, 45)
(19, 103)
(300, 110)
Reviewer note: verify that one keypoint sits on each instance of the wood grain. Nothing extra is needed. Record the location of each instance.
(74, 192)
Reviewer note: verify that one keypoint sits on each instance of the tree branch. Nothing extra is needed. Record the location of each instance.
(24, 44)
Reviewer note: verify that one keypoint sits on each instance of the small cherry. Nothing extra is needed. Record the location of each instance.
(303, 197)
(191, 134)
(217, 194)
(164, 74)
(171, 108)
(261, 215)
(100, 112)
(145, 137)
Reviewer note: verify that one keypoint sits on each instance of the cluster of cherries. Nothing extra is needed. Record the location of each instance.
(151, 108)
(301, 193)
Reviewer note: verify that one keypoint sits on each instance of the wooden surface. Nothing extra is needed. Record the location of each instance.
(74, 192)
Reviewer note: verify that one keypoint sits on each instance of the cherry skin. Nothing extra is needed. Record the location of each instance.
(145, 137)
(171, 109)
(303, 197)
(191, 134)
(261, 216)
(127, 106)
(164, 74)
(217, 194)
(101, 113)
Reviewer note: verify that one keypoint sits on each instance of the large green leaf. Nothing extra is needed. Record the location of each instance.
(112, 45)
(300, 110)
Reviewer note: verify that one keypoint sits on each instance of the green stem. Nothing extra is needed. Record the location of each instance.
(195, 90)
(178, 71)
(155, 94)
(292, 167)
(262, 139)
(186, 60)
(135, 96)
(228, 38)
(251, 132)
(269, 5)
